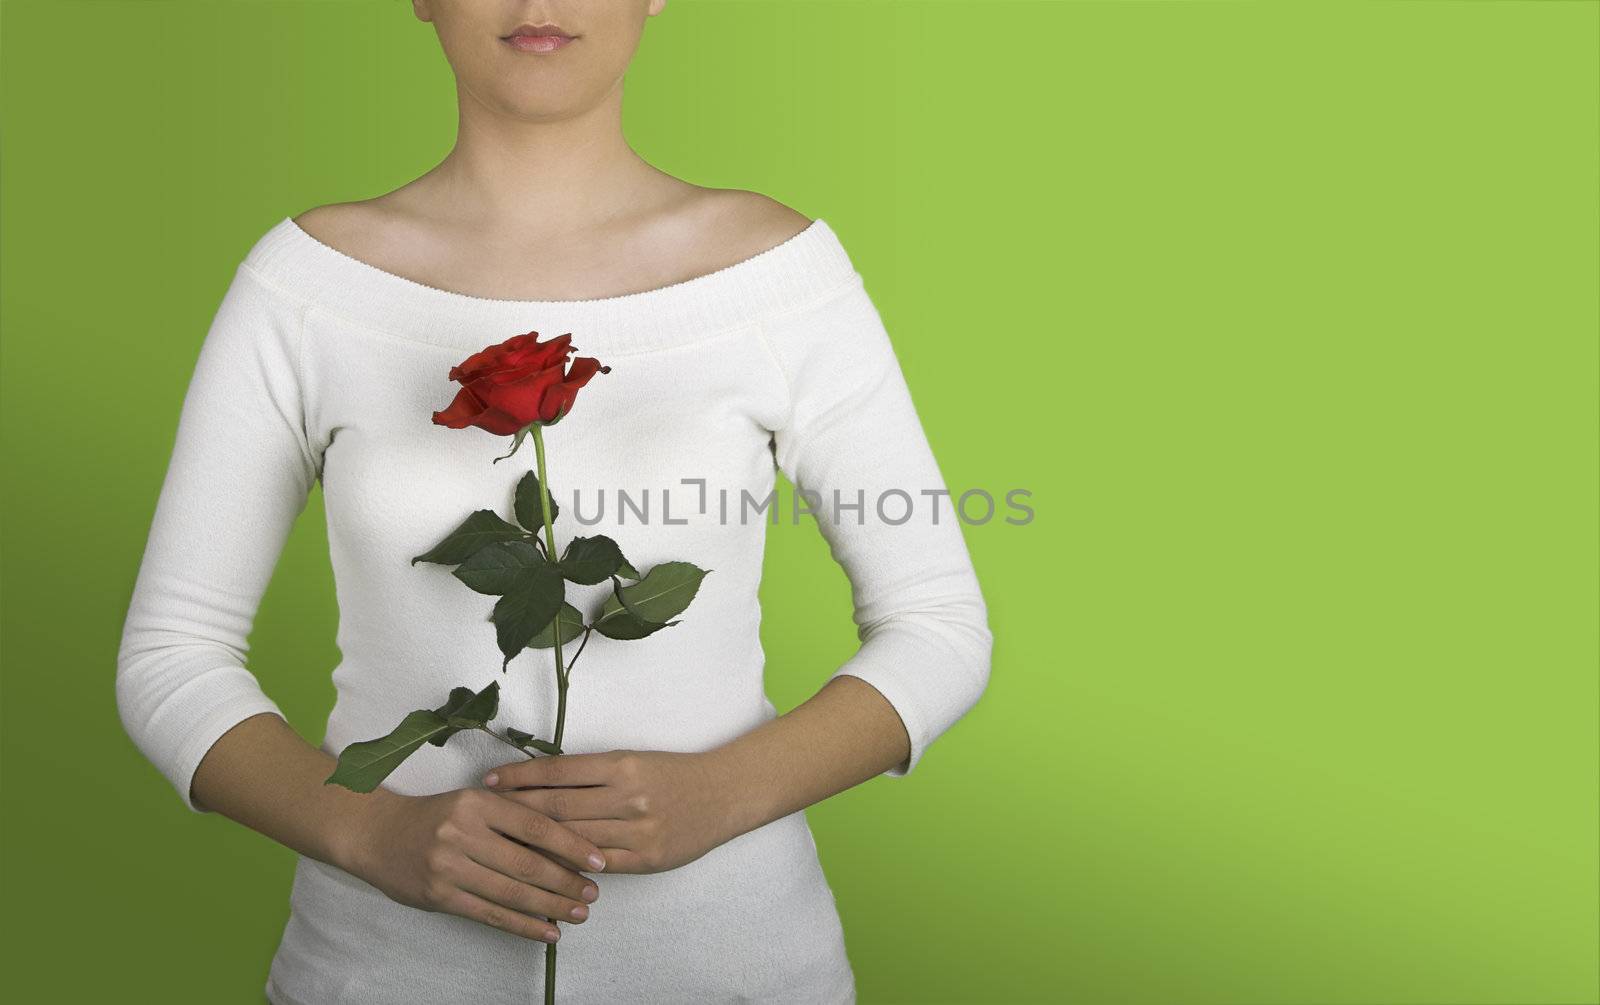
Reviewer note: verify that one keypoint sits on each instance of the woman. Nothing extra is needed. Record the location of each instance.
(670, 832)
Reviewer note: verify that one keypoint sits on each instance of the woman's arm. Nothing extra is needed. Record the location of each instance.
(290, 803)
(855, 450)
(654, 810)
(241, 471)
(466, 852)
(774, 770)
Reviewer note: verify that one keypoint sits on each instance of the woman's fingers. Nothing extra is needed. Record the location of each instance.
(470, 905)
(562, 769)
(600, 802)
(531, 827)
(498, 888)
(617, 838)
(460, 852)
(521, 863)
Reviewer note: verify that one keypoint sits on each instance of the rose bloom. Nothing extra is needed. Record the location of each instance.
(518, 382)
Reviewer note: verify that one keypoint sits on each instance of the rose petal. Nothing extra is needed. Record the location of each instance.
(459, 414)
(559, 399)
(518, 352)
(538, 356)
(498, 422)
(518, 395)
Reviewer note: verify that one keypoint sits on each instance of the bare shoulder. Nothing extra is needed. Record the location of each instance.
(742, 223)
(343, 224)
(763, 220)
(381, 231)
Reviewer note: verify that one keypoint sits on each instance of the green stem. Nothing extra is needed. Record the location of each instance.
(550, 548)
(550, 973)
(561, 674)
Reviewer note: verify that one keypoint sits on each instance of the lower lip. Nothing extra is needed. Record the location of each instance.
(537, 43)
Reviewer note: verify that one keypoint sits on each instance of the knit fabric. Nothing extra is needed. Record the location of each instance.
(319, 367)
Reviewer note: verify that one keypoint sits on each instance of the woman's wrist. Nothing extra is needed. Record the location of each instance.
(775, 769)
(355, 837)
(746, 802)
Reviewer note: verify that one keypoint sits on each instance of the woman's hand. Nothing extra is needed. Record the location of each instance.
(650, 810)
(467, 852)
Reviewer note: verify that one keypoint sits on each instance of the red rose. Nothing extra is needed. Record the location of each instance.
(520, 381)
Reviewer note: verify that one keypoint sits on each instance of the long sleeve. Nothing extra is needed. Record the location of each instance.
(853, 446)
(240, 473)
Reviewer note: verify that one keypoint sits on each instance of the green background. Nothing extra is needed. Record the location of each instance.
(1285, 314)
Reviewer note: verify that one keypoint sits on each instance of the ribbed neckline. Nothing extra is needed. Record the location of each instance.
(785, 276)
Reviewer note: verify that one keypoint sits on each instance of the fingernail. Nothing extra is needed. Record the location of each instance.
(580, 912)
(491, 779)
(552, 935)
(597, 861)
(590, 893)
